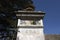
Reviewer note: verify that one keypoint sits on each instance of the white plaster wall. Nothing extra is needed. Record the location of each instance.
(30, 34)
(28, 23)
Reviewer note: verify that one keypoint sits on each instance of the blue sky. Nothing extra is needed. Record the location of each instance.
(52, 16)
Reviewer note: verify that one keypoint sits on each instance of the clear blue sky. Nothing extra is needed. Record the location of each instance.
(52, 16)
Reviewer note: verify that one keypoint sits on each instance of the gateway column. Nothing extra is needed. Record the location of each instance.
(30, 25)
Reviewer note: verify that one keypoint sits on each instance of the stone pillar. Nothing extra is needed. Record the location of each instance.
(30, 25)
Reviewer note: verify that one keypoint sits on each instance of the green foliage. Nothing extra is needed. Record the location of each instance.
(13, 5)
(8, 20)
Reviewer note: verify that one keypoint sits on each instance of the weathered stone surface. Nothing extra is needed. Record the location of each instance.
(30, 34)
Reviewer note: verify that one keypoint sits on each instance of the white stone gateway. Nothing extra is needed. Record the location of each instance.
(30, 25)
